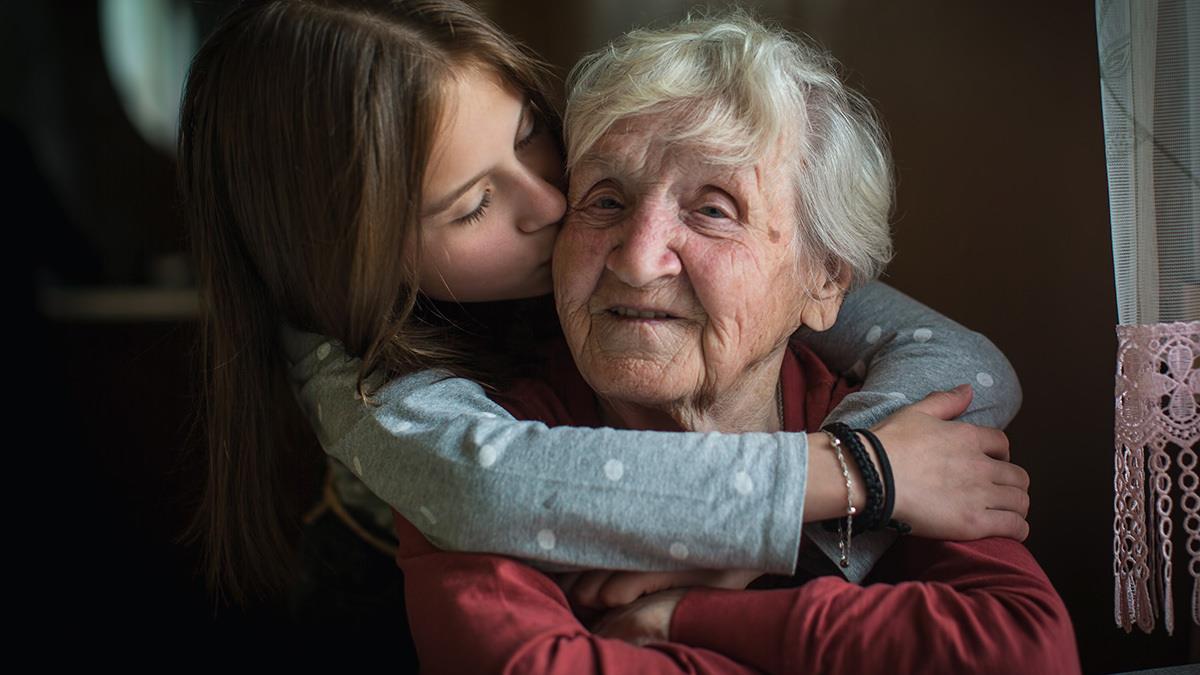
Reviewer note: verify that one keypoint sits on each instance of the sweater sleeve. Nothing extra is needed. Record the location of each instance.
(906, 350)
(983, 606)
(483, 613)
(474, 479)
(457, 464)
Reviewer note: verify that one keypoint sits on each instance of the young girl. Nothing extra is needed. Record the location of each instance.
(345, 166)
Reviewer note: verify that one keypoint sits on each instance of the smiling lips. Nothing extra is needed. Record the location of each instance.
(635, 313)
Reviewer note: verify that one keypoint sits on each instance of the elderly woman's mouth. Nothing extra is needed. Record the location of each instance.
(625, 312)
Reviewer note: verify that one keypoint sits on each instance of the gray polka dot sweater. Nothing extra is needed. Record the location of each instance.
(472, 478)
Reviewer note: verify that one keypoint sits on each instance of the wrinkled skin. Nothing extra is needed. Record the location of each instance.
(711, 251)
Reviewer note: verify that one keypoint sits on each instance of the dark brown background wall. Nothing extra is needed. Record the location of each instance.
(1001, 223)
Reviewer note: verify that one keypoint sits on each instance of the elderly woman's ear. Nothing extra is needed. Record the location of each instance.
(824, 299)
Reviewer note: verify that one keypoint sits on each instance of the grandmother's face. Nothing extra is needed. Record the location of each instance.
(675, 276)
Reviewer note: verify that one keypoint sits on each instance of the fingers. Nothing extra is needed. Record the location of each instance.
(1008, 498)
(642, 622)
(600, 589)
(1011, 474)
(1001, 523)
(608, 588)
(586, 590)
(993, 442)
(624, 588)
(946, 405)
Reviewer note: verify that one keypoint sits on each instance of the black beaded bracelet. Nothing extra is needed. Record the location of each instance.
(889, 484)
(871, 519)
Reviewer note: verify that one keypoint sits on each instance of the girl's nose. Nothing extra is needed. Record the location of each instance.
(545, 205)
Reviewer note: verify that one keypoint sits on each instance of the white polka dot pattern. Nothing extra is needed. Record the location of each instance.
(546, 539)
(396, 426)
(873, 334)
(985, 379)
(358, 466)
(614, 469)
(488, 455)
(323, 351)
(742, 483)
(922, 334)
(679, 551)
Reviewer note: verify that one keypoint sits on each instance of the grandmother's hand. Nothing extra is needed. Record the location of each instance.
(601, 589)
(645, 620)
(953, 479)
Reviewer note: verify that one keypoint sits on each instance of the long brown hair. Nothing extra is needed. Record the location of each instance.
(304, 134)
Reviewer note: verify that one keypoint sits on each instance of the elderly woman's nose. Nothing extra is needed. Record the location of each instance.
(645, 248)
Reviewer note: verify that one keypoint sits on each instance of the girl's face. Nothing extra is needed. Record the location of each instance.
(493, 196)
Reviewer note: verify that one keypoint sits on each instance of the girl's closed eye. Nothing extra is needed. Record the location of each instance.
(475, 215)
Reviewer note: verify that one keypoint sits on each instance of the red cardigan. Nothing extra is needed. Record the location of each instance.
(929, 606)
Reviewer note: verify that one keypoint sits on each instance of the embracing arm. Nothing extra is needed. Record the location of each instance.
(906, 350)
(472, 478)
(458, 466)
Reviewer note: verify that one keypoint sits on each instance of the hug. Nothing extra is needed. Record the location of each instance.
(646, 496)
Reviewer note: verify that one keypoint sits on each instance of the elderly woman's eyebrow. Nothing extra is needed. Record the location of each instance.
(602, 164)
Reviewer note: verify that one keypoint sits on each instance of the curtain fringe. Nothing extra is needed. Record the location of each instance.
(1157, 406)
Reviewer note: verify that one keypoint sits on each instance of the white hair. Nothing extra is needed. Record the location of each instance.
(742, 91)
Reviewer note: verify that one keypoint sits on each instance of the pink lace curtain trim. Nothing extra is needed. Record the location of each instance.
(1157, 417)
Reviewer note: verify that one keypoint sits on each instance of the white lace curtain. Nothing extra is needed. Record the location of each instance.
(1150, 87)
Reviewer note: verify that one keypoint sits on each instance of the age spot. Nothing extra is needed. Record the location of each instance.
(773, 235)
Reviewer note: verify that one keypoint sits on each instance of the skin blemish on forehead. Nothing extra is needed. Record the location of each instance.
(773, 235)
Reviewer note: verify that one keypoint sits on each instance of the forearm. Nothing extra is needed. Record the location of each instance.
(825, 497)
(980, 607)
(474, 479)
(904, 350)
(489, 614)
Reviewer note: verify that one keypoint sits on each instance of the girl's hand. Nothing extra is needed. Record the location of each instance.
(953, 479)
(602, 589)
(646, 620)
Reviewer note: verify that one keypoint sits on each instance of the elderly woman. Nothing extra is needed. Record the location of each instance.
(725, 192)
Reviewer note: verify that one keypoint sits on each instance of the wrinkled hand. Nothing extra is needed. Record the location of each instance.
(953, 479)
(645, 620)
(601, 589)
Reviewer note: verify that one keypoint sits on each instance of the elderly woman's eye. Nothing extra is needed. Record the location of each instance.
(606, 203)
(712, 212)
